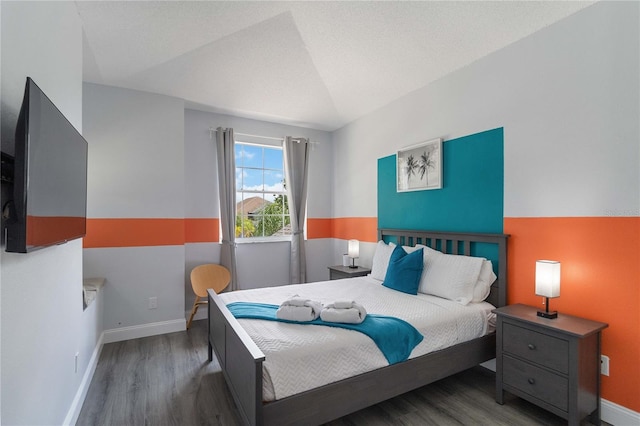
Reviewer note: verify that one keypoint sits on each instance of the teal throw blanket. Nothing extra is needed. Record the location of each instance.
(394, 337)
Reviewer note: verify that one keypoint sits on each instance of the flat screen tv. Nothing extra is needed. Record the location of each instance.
(50, 177)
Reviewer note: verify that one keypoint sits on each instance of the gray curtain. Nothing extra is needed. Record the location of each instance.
(227, 185)
(296, 160)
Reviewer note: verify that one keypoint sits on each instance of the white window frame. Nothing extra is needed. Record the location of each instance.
(268, 145)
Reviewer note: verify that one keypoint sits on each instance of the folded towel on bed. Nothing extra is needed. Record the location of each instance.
(295, 313)
(295, 301)
(297, 308)
(349, 316)
(342, 311)
(394, 337)
(343, 304)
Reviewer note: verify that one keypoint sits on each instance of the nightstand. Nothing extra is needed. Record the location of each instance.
(338, 272)
(553, 363)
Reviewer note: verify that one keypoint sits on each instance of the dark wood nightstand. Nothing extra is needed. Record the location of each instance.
(338, 272)
(553, 363)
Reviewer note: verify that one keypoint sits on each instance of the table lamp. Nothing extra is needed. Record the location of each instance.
(548, 284)
(353, 252)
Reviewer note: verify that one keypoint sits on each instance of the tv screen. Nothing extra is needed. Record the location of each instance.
(50, 177)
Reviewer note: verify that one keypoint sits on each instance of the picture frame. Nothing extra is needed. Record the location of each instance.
(419, 166)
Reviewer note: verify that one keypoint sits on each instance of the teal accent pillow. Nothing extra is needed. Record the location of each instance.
(404, 271)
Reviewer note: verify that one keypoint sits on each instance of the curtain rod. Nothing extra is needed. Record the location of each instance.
(258, 136)
(211, 130)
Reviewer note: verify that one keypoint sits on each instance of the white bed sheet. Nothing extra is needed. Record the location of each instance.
(303, 357)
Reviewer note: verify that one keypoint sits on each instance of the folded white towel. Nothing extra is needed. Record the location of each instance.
(343, 304)
(298, 308)
(295, 301)
(353, 315)
(315, 306)
(296, 313)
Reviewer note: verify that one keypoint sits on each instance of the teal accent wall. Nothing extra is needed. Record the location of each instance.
(472, 196)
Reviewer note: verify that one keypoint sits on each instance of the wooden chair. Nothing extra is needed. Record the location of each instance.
(203, 277)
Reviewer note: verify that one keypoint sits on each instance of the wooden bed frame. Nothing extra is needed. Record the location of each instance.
(241, 360)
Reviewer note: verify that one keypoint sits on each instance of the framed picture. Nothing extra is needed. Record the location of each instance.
(419, 166)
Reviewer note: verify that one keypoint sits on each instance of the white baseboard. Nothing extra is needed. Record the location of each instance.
(618, 415)
(81, 394)
(144, 330)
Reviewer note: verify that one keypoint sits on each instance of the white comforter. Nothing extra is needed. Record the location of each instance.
(303, 357)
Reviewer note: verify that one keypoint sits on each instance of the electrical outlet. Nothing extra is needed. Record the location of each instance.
(604, 365)
(153, 302)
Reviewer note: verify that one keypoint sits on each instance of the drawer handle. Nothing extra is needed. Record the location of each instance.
(531, 346)
(531, 381)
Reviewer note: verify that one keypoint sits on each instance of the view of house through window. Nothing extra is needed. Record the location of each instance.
(261, 201)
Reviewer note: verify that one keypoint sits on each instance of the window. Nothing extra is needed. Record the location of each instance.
(261, 201)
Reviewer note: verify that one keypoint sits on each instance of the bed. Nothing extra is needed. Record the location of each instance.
(241, 360)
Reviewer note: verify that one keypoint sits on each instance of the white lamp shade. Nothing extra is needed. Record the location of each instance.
(547, 278)
(354, 249)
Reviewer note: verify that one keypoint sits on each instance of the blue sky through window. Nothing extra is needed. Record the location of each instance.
(259, 168)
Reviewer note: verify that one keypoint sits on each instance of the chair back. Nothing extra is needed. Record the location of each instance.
(209, 276)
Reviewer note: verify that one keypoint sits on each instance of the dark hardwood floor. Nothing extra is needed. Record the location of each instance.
(166, 380)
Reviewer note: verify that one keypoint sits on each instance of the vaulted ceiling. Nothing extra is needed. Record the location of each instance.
(313, 64)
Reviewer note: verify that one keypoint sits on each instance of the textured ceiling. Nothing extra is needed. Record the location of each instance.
(313, 64)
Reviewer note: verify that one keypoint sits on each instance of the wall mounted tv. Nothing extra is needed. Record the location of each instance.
(50, 177)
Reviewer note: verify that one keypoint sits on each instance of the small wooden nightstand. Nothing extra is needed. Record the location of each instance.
(553, 363)
(338, 272)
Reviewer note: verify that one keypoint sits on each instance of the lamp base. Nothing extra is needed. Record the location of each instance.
(549, 315)
(353, 263)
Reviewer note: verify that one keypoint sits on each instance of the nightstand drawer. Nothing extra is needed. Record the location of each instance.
(539, 383)
(536, 347)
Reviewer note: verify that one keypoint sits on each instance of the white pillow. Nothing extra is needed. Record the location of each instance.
(381, 260)
(409, 249)
(483, 287)
(449, 276)
(426, 249)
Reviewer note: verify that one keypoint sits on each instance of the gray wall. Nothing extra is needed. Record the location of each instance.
(150, 158)
(43, 324)
(136, 171)
(567, 97)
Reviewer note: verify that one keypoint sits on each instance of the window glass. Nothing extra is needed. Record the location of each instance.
(261, 200)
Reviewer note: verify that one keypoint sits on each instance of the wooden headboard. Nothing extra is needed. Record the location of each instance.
(462, 244)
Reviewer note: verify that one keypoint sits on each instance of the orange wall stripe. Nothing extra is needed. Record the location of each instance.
(45, 229)
(202, 230)
(600, 280)
(141, 232)
(134, 232)
(358, 228)
(345, 228)
(319, 228)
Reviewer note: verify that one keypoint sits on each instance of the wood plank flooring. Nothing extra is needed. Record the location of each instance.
(166, 380)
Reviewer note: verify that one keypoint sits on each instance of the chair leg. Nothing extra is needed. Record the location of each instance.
(194, 309)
